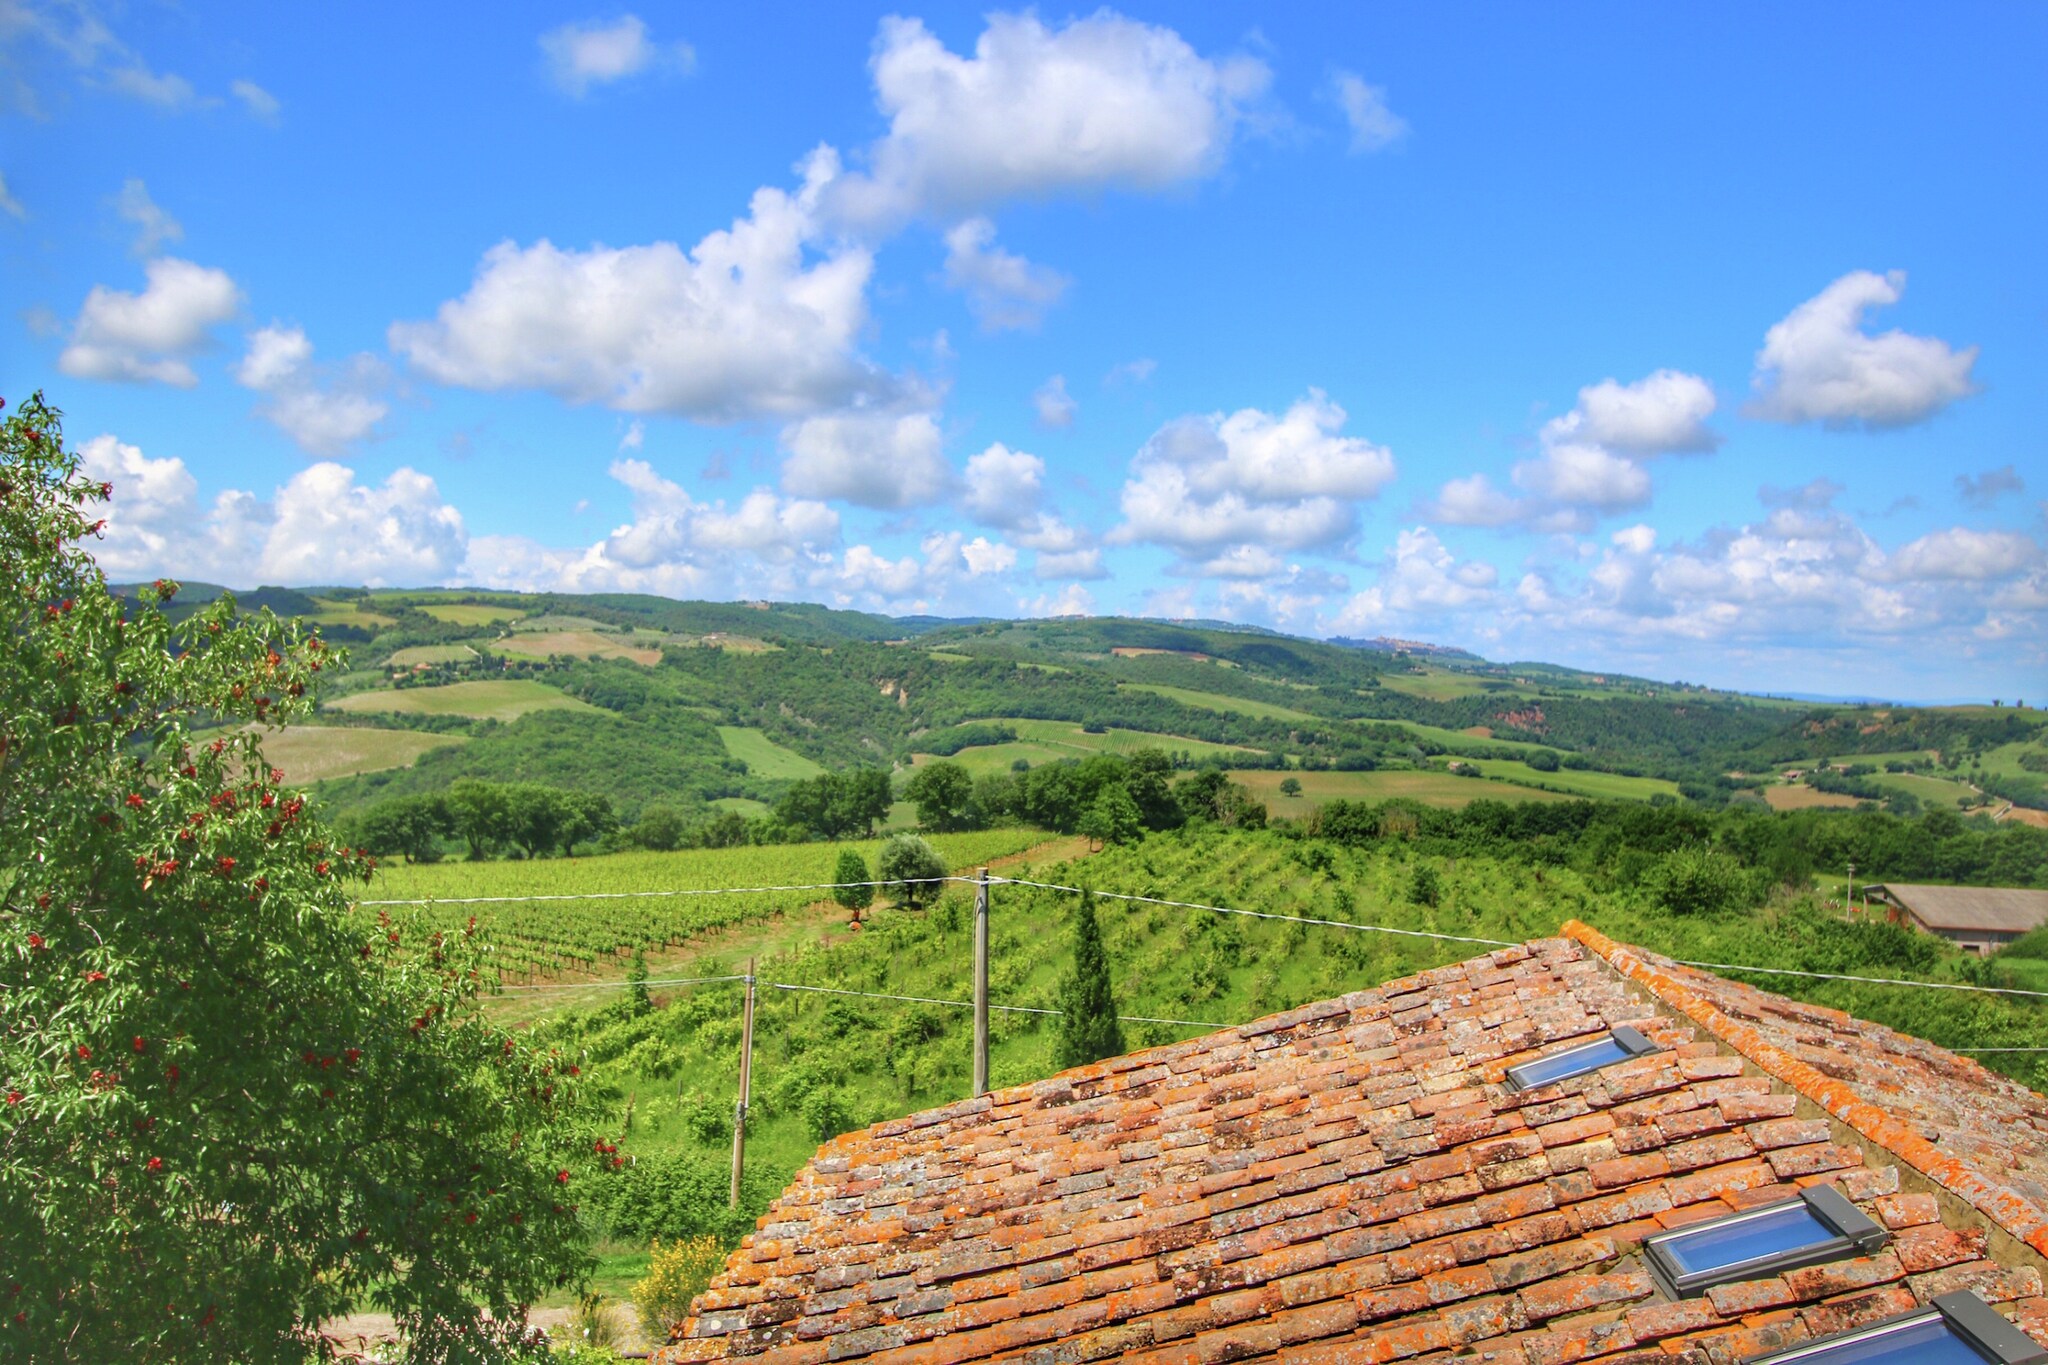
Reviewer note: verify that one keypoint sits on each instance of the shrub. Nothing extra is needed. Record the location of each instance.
(1424, 887)
(676, 1274)
(911, 867)
(851, 870)
(1696, 880)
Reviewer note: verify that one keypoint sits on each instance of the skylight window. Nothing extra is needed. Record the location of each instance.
(1617, 1046)
(1960, 1329)
(1819, 1225)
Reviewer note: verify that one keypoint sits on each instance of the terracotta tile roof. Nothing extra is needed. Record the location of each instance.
(1985, 909)
(1350, 1181)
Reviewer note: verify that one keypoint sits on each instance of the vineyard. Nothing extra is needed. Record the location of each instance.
(827, 1062)
(535, 936)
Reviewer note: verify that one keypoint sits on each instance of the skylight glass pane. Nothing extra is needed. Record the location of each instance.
(1929, 1341)
(1770, 1232)
(1573, 1062)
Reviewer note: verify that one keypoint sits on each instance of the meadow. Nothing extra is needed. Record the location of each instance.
(1799, 796)
(581, 644)
(470, 613)
(314, 753)
(1429, 786)
(763, 756)
(1578, 781)
(1216, 701)
(503, 699)
(430, 654)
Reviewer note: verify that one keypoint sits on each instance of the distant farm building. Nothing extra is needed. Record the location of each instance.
(1983, 918)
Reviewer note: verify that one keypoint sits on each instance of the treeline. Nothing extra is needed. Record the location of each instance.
(488, 818)
(1108, 797)
(1612, 843)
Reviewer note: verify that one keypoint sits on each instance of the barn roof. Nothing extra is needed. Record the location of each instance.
(1352, 1181)
(1992, 909)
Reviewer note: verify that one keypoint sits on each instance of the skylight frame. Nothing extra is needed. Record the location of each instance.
(1631, 1042)
(1969, 1318)
(1855, 1235)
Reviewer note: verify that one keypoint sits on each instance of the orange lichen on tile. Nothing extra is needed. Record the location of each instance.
(1971, 1131)
(1348, 1181)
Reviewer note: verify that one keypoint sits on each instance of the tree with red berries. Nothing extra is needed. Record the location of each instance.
(232, 1106)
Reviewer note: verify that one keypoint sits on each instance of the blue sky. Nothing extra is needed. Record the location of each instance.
(1703, 343)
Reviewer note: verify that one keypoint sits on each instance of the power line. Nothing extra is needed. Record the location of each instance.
(615, 985)
(1500, 943)
(837, 990)
(1263, 914)
(1867, 980)
(643, 895)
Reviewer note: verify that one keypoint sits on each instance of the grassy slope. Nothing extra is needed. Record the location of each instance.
(1215, 701)
(1605, 786)
(499, 699)
(470, 614)
(1429, 787)
(763, 756)
(314, 753)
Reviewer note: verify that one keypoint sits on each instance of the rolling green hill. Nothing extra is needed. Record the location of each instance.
(832, 690)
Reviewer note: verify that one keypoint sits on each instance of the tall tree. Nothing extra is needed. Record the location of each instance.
(944, 793)
(233, 1108)
(1088, 1029)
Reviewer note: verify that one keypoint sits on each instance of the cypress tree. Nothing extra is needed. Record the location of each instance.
(1088, 1030)
(853, 869)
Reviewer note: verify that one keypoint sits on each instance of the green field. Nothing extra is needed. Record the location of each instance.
(469, 613)
(763, 756)
(1048, 741)
(506, 700)
(1578, 782)
(744, 805)
(430, 654)
(1935, 791)
(1458, 742)
(1216, 701)
(1438, 684)
(314, 753)
(1431, 788)
(334, 612)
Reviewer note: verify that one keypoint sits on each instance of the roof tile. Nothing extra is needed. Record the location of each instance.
(1352, 1181)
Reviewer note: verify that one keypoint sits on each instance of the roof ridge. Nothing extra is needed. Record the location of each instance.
(2018, 1215)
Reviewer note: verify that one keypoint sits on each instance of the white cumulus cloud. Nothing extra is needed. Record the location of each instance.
(592, 53)
(1419, 580)
(744, 324)
(323, 413)
(1004, 291)
(872, 457)
(1101, 102)
(1055, 407)
(149, 337)
(1004, 486)
(1819, 365)
(1285, 482)
(1373, 124)
(320, 526)
(153, 226)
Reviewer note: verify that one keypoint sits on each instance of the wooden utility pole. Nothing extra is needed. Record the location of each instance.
(739, 1108)
(981, 983)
